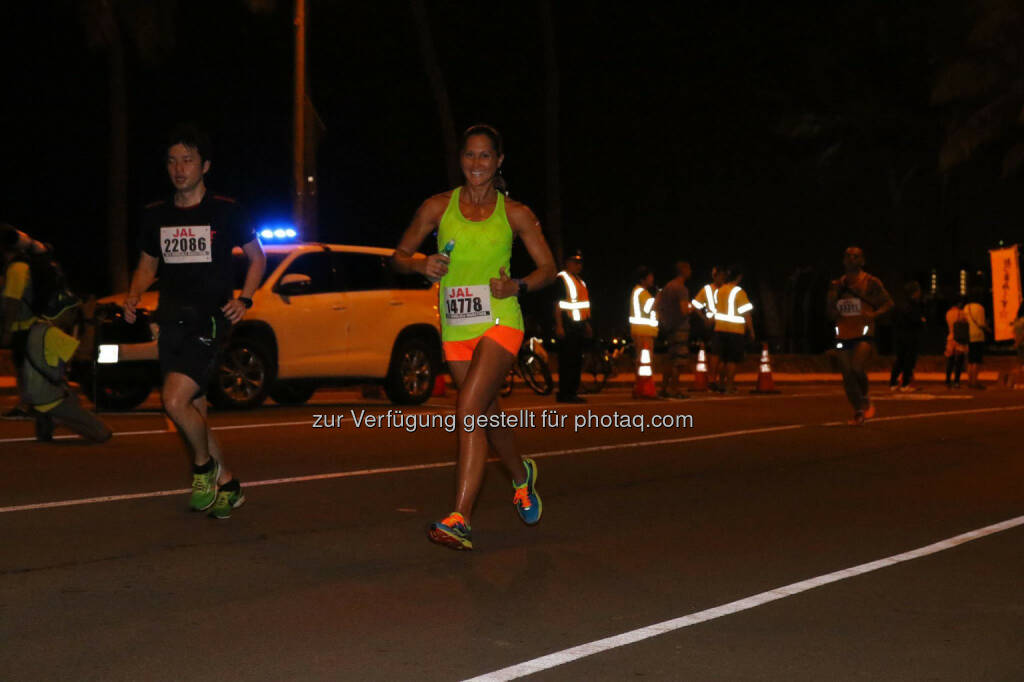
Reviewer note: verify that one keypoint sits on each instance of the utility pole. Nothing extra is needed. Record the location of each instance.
(303, 213)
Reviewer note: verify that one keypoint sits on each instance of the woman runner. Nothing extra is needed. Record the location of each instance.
(481, 323)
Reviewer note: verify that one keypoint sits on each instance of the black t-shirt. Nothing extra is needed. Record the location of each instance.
(194, 247)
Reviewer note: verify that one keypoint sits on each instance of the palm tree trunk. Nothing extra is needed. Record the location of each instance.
(437, 85)
(553, 218)
(117, 171)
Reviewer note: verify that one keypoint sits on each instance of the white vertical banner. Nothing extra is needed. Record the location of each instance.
(1006, 295)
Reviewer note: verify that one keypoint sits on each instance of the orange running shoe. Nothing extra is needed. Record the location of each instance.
(452, 531)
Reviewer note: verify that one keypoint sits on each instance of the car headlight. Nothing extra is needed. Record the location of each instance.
(108, 354)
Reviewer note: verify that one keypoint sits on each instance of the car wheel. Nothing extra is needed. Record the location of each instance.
(291, 394)
(410, 378)
(243, 375)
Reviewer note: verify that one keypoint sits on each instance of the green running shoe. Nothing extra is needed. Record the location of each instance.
(204, 489)
(226, 501)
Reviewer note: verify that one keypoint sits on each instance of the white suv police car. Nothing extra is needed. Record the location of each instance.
(325, 314)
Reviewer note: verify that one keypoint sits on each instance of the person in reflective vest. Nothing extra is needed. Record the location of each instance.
(48, 348)
(572, 327)
(704, 304)
(643, 327)
(855, 301)
(733, 325)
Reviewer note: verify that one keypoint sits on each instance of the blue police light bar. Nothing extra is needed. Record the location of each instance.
(278, 233)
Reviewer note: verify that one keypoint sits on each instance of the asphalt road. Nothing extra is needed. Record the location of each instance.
(661, 553)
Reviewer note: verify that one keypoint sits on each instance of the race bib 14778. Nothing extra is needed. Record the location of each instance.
(186, 244)
(467, 305)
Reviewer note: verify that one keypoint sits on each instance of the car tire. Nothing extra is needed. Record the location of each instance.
(244, 373)
(286, 393)
(410, 379)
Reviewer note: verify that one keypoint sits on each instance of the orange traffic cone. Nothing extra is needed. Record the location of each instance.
(765, 383)
(644, 386)
(440, 387)
(700, 373)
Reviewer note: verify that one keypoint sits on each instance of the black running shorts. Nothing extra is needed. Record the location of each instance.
(191, 349)
(729, 347)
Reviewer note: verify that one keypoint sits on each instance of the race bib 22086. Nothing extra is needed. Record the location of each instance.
(467, 305)
(186, 244)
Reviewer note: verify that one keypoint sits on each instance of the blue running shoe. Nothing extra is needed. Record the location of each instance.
(526, 500)
(453, 532)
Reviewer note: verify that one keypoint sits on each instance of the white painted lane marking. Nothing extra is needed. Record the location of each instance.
(435, 465)
(440, 408)
(667, 441)
(156, 432)
(926, 415)
(575, 653)
(388, 470)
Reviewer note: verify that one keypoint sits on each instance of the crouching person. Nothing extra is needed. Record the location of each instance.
(48, 348)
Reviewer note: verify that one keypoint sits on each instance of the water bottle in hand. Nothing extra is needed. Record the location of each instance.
(446, 251)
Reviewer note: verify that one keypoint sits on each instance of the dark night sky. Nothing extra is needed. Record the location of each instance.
(671, 127)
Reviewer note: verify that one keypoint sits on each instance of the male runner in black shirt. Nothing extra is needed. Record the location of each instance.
(190, 237)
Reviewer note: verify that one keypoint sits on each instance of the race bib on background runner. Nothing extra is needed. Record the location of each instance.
(467, 305)
(848, 306)
(186, 244)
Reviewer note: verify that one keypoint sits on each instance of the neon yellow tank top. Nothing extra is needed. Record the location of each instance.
(482, 248)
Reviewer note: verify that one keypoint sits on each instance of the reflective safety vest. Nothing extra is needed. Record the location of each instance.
(706, 301)
(732, 303)
(643, 320)
(577, 304)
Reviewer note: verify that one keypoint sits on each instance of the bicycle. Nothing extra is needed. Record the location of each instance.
(599, 363)
(532, 366)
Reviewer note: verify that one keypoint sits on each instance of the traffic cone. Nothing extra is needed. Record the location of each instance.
(440, 387)
(700, 373)
(765, 383)
(644, 386)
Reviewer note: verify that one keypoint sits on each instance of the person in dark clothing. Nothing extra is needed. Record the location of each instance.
(673, 306)
(192, 234)
(956, 342)
(908, 324)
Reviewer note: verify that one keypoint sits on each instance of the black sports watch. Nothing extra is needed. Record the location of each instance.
(522, 287)
(247, 302)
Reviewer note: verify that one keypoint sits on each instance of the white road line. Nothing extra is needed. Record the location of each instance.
(575, 653)
(390, 470)
(950, 413)
(436, 465)
(667, 441)
(155, 432)
(926, 415)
